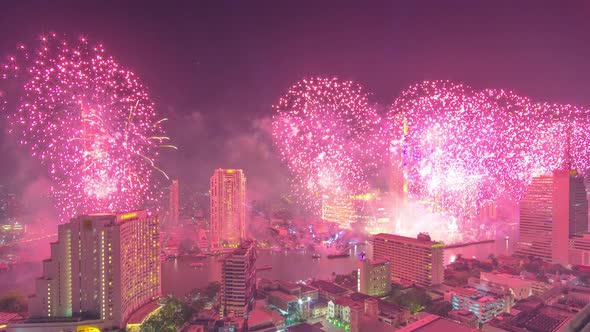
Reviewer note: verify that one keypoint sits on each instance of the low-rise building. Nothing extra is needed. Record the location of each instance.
(434, 323)
(519, 287)
(464, 317)
(537, 314)
(289, 296)
(366, 308)
(374, 277)
(340, 309)
(329, 291)
(483, 304)
(285, 302)
(319, 309)
(265, 320)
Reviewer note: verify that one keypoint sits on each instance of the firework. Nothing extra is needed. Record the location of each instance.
(445, 145)
(90, 121)
(462, 147)
(330, 137)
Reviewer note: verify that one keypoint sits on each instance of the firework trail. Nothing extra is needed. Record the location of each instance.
(330, 137)
(90, 121)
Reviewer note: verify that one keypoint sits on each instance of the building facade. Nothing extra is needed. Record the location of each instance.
(341, 308)
(228, 207)
(238, 280)
(374, 277)
(483, 304)
(102, 268)
(369, 210)
(553, 209)
(519, 287)
(417, 260)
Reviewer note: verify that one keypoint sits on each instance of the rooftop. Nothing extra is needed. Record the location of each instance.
(283, 296)
(538, 318)
(143, 312)
(498, 277)
(479, 295)
(434, 323)
(259, 318)
(329, 287)
(346, 302)
(305, 327)
(242, 249)
(462, 313)
(373, 325)
(5, 317)
(404, 239)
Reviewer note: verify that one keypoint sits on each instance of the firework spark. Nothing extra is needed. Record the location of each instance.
(464, 147)
(90, 121)
(330, 137)
(457, 149)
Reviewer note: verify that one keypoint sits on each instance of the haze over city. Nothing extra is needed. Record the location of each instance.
(333, 166)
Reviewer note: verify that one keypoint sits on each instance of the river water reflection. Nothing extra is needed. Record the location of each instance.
(178, 277)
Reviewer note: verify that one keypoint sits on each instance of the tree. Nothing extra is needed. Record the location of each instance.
(494, 260)
(212, 289)
(13, 302)
(416, 299)
(169, 318)
(532, 267)
(440, 308)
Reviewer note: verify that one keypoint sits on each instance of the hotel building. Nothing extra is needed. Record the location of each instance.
(238, 280)
(103, 268)
(417, 260)
(228, 207)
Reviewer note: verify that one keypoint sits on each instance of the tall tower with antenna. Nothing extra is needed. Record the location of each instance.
(173, 205)
(552, 211)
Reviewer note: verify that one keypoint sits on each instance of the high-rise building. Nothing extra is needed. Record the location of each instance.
(374, 277)
(228, 207)
(238, 280)
(369, 210)
(553, 209)
(173, 204)
(417, 260)
(103, 268)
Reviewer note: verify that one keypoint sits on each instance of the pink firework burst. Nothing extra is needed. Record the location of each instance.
(461, 147)
(331, 138)
(91, 121)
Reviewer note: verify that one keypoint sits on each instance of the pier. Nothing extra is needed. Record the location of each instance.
(460, 245)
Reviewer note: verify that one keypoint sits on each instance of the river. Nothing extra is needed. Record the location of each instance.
(178, 277)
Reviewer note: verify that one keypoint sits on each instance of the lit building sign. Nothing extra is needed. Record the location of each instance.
(129, 215)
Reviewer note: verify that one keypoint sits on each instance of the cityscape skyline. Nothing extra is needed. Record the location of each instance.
(323, 167)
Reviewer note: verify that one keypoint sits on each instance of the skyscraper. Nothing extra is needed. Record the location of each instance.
(102, 268)
(173, 204)
(238, 280)
(553, 209)
(228, 207)
(417, 260)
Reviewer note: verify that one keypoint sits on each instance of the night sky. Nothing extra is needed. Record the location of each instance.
(216, 68)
